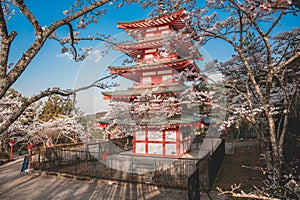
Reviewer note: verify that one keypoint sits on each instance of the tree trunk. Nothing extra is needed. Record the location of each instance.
(264, 145)
(275, 148)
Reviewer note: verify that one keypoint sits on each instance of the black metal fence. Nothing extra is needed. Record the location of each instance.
(202, 179)
(163, 171)
(215, 162)
(194, 186)
(105, 162)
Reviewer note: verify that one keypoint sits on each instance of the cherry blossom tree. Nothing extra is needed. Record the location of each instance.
(32, 126)
(262, 77)
(80, 15)
(8, 103)
(61, 129)
(150, 106)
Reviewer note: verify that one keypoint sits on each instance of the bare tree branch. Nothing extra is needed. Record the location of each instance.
(258, 29)
(6, 40)
(235, 194)
(28, 101)
(32, 51)
(275, 22)
(71, 32)
(290, 60)
(28, 14)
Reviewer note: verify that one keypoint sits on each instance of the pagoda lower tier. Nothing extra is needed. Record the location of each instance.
(157, 136)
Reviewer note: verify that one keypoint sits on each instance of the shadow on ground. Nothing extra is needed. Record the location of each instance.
(14, 185)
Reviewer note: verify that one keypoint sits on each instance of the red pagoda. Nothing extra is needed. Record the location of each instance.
(161, 125)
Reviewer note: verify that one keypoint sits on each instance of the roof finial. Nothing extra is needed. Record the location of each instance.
(161, 7)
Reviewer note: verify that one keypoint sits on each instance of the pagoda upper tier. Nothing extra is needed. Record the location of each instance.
(138, 71)
(154, 45)
(163, 47)
(176, 20)
(165, 37)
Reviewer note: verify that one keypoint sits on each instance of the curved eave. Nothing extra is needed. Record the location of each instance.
(103, 121)
(181, 121)
(184, 120)
(177, 25)
(169, 64)
(137, 48)
(141, 44)
(159, 21)
(125, 94)
(132, 72)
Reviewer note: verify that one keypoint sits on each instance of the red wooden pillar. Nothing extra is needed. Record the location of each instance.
(178, 142)
(134, 142)
(29, 148)
(164, 142)
(146, 141)
(11, 146)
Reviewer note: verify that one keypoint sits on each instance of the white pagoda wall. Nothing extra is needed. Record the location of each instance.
(160, 143)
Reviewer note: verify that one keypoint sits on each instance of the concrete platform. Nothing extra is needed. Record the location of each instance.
(128, 162)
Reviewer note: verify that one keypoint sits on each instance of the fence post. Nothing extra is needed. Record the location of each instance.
(193, 186)
(131, 168)
(215, 162)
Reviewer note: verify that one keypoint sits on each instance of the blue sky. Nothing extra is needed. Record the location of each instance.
(51, 69)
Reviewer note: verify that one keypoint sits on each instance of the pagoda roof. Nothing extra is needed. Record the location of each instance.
(179, 120)
(169, 18)
(133, 49)
(132, 92)
(141, 44)
(133, 72)
(176, 19)
(159, 64)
